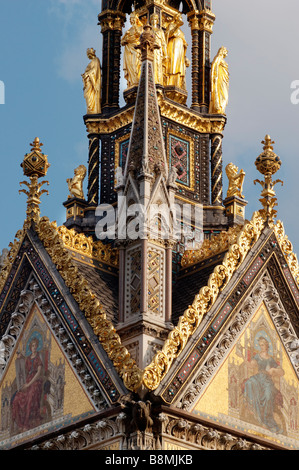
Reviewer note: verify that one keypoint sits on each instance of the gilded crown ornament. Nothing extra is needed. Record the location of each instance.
(35, 162)
(35, 165)
(268, 163)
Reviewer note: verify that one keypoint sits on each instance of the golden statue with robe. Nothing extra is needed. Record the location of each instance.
(160, 54)
(92, 83)
(132, 56)
(176, 52)
(219, 83)
(235, 180)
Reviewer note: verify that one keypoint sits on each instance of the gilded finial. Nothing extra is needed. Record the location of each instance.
(268, 163)
(35, 165)
(35, 162)
(36, 145)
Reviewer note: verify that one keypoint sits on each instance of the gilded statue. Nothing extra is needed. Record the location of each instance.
(92, 83)
(219, 83)
(160, 54)
(176, 54)
(132, 56)
(235, 180)
(75, 184)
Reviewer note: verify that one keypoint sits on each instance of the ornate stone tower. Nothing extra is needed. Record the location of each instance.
(148, 188)
(161, 149)
(192, 135)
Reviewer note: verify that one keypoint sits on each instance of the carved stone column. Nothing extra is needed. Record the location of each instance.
(93, 171)
(168, 280)
(111, 27)
(216, 169)
(207, 19)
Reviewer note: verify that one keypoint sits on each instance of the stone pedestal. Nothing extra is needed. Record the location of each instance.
(235, 210)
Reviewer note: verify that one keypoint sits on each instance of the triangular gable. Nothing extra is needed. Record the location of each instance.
(256, 389)
(40, 392)
(57, 255)
(34, 283)
(217, 330)
(232, 279)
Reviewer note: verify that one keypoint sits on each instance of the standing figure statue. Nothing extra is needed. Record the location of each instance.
(132, 56)
(92, 83)
(219, 83)
(160, 54)
(176, 52)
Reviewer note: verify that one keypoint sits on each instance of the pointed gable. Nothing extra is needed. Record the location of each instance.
(256, 389)
(211, 376)
(35, 302)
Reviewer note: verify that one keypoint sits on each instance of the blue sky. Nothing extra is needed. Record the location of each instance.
(43, 53)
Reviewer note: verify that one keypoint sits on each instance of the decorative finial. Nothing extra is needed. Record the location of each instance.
(268, 163)
(35, 165)
(147, 43)
(35, 162)
(36, 145)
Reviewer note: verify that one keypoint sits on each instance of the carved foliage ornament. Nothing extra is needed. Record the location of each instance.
(211, 247)
(87, 246)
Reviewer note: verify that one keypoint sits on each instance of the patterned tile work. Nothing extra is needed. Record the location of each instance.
(219, 320)
(292, 284)
(253, 271)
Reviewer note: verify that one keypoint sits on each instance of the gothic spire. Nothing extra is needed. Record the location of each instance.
(146, 153)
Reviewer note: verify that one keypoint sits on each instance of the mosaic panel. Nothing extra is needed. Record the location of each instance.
(133, 282)
(39, 390)
(256, 389)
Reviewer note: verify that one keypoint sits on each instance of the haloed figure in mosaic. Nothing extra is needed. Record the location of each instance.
(260, 393)
(26, 403)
